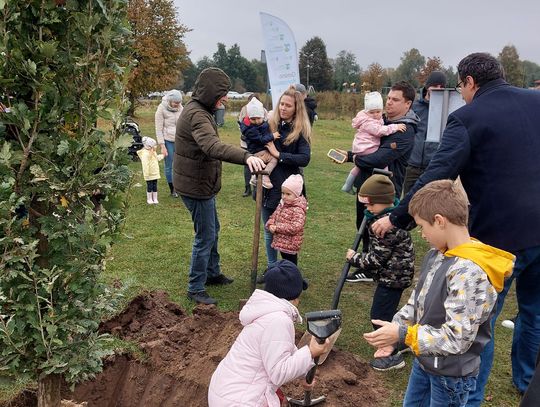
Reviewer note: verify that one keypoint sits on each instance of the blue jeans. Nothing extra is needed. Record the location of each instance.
(428, 390)
(526, 340)
(169, 145)
(271, 253)
(204, 255)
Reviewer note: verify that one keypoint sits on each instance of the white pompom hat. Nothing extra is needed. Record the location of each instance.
(255, 108)
(373, 101)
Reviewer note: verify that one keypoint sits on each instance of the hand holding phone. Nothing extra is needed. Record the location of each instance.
(338, 157)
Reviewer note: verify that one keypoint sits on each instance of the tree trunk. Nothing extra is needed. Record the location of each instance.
(49, 391)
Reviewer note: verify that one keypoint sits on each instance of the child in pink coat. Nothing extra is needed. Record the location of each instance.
(370, 127)
(287, 222)
(264, 355)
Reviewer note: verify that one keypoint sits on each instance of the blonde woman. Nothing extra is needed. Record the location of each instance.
(292, 150)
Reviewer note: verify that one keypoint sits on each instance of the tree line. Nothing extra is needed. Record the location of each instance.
(163, 61)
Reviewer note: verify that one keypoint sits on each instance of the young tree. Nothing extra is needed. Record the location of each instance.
(346, 69)
(531, 72)
(315, 69)
(160, 51)
(513, 67)
(409, 69)
(63, 67)
(373, 78)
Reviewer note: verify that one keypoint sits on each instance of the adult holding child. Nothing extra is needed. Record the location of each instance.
(197, 177)
(292, 150)
(493, 144)
(165, 119)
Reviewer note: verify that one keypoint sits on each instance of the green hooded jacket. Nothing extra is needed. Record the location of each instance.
(198, 148)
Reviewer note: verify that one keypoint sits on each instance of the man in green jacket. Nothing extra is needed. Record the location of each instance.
(197, 177)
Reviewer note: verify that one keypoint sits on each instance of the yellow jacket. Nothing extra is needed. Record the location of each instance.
(150, 163)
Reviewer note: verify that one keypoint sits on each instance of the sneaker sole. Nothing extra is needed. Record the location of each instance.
(361, 280)
(398, 366)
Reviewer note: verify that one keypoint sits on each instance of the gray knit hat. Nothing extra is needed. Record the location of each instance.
(284, 280)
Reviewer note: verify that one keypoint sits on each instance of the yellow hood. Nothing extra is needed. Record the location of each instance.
(496, 263)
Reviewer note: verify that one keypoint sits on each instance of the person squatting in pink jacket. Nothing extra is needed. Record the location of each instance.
(264, 355)
(370, 127)
(287, 222)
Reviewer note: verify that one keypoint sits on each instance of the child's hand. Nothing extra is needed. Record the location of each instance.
(317, 349)
(276, 135)
(308, 386)
(401, 127)
(386, 335)
(350, 254)
(384, 352)
(272, 228)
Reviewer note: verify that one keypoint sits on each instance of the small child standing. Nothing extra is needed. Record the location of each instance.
(446, 321)
(257, 134)
(287, 222)
(390, 259)
(150, 166)
(370, 127)
(264, 355)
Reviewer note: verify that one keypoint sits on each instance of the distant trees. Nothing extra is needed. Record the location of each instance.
(158, 44)
(412, 62)
(346, 69)
(315, 68)
(512, 65)
(432, 64)
(531, 73)
(373, 78)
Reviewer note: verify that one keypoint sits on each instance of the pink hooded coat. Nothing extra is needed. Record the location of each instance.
(262, 358)
(369, 132)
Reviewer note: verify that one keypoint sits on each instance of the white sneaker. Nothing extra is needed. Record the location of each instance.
(508, 323)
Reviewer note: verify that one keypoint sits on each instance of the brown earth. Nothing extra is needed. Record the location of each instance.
(183, 351)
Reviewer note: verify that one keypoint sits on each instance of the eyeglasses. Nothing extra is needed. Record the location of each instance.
(459, 86)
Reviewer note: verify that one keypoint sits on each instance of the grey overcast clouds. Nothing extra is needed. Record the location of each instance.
(374, 31)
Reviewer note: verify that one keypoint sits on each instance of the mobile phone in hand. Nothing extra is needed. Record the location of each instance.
(338, 157)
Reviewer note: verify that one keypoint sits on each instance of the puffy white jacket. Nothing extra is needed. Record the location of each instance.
(165, 121)
(262, 358)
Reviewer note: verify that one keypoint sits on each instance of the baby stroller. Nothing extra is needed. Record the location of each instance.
(131, 127)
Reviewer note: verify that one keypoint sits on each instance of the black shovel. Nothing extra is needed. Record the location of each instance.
(322, 325)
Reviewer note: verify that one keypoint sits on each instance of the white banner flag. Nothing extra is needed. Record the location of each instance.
(281, 55)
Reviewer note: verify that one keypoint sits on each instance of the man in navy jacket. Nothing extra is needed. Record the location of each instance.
(493, 144)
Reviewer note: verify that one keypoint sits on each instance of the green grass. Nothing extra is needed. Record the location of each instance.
(154, 250)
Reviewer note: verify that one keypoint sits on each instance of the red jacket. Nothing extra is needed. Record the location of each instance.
(289, 220)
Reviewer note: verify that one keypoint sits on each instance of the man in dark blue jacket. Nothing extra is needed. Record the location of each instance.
(493, 144)
(423, 150)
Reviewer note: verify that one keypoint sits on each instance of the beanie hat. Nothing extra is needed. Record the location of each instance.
(255, 108)
(294, 183)
(148, 142)
(373, 101)
(174, 96)
(300, 88)
(377, 189)
(284, 280)
(436, 78)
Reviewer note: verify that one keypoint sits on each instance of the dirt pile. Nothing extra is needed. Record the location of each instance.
(183, 352)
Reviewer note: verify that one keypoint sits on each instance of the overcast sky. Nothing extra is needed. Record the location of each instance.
(374, 31)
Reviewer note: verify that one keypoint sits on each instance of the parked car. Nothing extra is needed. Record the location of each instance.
(245, 95)
(234, 95)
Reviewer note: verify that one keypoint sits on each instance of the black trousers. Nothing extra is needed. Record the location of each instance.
(290, 257)
(385, 303)
(411, 175)
(151, 186)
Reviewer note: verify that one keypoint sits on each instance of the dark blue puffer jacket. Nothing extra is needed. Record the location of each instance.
(256, 137)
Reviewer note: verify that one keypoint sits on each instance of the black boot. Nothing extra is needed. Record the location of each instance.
(247, 192)
(173, 194)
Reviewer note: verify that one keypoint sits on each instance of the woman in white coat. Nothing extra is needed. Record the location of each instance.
(167, 115)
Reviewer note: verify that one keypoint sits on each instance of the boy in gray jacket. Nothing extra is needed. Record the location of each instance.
(446, 321)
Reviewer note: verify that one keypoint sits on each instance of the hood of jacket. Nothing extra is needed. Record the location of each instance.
(262, 303)
(496, 263)
(409, 118)
(211, 85)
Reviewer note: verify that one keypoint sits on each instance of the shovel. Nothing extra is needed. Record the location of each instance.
(322, 325)
(341, 282)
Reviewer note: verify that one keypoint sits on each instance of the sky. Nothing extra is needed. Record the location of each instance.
(374, 31)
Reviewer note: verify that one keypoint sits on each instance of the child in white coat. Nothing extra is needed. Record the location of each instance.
(150, 166)
(264, 355)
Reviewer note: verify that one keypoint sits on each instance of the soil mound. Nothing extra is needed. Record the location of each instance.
(183, 352)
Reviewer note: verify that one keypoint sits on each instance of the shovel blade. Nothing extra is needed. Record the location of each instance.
(306, 338)
(312, 402)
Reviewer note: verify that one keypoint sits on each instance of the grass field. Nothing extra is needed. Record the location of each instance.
(155, 247)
